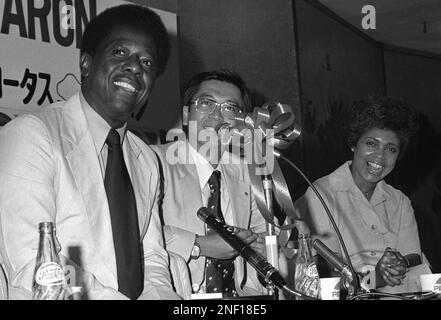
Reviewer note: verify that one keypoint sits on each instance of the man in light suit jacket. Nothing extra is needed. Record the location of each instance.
(211, 99)
(53, 165)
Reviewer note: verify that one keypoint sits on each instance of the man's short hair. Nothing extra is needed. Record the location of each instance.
(130, 15)
(225, 75)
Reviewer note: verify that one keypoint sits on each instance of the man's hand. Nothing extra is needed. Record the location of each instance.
(214, 246)
(259, 245)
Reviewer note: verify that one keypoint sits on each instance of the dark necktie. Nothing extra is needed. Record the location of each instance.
(124, 219)
(219, 274)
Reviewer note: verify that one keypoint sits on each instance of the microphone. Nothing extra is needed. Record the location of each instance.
(337, 263)
(263, 267)
(332, 259)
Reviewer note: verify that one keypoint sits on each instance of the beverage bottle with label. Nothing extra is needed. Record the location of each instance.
(48, 281)
(306, 279)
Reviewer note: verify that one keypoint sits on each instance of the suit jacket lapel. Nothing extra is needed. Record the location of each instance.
(191, 197)
(81, 156)
(140, 175)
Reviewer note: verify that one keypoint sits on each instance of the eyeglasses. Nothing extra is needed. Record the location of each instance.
(206, 105)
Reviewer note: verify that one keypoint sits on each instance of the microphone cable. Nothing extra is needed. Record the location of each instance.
(379, 294)
(328, 212)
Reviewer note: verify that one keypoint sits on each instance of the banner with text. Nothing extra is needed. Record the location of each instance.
(39, 60)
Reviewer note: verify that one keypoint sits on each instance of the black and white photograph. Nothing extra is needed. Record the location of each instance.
(229, 158)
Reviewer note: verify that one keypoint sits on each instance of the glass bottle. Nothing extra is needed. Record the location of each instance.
(306, 279)
(48, 281)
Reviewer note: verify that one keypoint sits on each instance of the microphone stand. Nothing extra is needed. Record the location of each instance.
(271, 239)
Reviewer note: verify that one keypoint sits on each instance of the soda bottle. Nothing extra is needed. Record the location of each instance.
(306, 279)
(49, 280)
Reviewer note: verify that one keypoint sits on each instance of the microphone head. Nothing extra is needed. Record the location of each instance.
(203, 213)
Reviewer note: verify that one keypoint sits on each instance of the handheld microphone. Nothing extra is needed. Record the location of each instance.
(263, 267)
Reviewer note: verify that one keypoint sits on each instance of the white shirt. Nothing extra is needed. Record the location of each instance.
(204, 170)
(367, 226)
(99, 130)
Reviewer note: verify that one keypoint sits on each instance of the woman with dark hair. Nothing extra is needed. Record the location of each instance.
(376, 220)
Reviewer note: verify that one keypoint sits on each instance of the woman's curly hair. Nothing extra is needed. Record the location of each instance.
(382, 113)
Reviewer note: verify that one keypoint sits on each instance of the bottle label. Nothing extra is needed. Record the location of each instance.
(49, 273)
(311, 270)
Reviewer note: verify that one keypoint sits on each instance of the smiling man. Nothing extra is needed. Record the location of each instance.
(75, 163)
(207, 174)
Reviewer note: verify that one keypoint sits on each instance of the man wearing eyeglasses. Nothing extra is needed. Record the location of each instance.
(200, 171)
